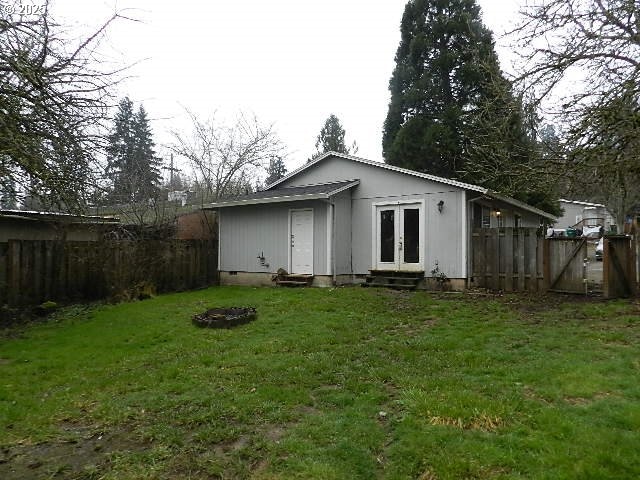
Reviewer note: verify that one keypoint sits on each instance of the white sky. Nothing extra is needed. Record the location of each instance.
(291, 62)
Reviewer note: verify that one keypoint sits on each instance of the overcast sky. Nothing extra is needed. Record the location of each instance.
(291, 62)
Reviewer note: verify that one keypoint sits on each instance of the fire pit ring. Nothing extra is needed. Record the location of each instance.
(225, 317)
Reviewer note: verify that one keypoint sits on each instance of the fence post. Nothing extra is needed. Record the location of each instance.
(13, 272)
(546, 264)
(519, 254)
(508, 253)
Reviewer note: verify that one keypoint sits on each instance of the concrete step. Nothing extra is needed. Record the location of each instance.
(396, 274)
(292, 283)
(399, 280)
(295, 280)
(398, 286)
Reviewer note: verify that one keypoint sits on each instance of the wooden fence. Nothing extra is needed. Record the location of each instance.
(508, 259)
(32, 272)
(516, 259)
(620, 263)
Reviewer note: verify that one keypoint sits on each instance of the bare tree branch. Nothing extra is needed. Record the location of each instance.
(226, 158)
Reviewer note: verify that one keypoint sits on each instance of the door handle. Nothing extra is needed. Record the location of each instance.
(400, 245)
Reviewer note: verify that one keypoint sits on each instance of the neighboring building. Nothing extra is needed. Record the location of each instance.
(339, 217)
(33, 225)
(584, 214)
(179, 196)
(197, 225)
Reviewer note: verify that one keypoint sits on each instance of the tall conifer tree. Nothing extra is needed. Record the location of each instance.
(332, 138)
(276, 170)
(446, 68)
(132, 165)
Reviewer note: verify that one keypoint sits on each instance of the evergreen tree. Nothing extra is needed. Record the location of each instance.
(120, 150)
(332, 138)
(8, 194)
(146, 166)
(446, 68)
(132, 166)
(276, 170)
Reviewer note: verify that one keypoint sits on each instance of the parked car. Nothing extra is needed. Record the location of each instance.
(600, 249)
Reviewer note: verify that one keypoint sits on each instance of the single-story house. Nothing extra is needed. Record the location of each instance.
(340, 217)
(584, 214)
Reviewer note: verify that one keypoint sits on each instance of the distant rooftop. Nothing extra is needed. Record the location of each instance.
(586, 204)
(57, 216)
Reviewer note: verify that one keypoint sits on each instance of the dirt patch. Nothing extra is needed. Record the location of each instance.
(580, 401)
(399, 300)
(413, 327)
(226, 448)
(74, 458)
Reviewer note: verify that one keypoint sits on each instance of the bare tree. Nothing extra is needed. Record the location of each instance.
(598, 40)
(53, 100)
(608, 152)
(225, 158)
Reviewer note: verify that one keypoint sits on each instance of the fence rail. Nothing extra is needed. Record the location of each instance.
(32, 272)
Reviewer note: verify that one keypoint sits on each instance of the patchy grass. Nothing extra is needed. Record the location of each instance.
(328, 384)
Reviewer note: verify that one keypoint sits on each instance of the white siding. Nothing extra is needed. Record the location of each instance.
(443, 231)
(342, 233)
(248, 231)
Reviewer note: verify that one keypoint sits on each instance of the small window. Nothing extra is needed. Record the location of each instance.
(517, 221)
(486, 217)
(477, 216)
(500, 220)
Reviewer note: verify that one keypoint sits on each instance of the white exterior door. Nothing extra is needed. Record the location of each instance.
(301, 241)
(399, 237)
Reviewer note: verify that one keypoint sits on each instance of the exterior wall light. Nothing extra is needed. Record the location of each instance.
(440, 205)
(498, 212)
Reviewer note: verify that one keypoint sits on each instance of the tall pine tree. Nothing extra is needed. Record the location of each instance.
(132, 165)
(332, 138)
(276, 170)
(146, 163)
(446, 69)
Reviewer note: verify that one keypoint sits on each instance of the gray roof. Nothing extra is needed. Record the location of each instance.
(426, 176)
(288, 194)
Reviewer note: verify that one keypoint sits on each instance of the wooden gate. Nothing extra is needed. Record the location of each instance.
(564, 264)
(619, 267)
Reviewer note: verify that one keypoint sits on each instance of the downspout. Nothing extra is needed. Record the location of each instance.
(331, 236)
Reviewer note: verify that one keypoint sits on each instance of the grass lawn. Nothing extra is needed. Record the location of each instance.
(328, 383)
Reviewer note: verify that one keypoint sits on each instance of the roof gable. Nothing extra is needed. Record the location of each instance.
(403, 171)
(382, 165)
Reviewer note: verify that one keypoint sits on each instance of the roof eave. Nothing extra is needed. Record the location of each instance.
(522, 205)
(282, 199)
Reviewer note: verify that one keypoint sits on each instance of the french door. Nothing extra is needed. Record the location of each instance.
(399, 237)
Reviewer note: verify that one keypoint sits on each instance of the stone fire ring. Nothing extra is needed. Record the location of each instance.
(225, 317)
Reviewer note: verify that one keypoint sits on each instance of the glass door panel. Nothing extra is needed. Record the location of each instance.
(411, 235)
(387, 236)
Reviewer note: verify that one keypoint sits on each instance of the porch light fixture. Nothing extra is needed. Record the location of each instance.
(498, 212)
(440, 205)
